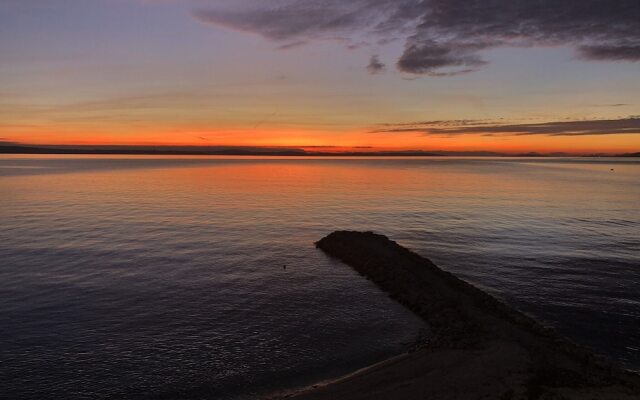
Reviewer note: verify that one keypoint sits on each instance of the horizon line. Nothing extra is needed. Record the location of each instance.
(243, 150)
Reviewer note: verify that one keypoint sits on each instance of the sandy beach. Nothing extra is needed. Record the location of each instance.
(479, 349)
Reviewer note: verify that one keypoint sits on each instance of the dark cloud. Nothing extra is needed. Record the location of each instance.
(613, 105)
(356, 46)
(429, 57)
(295, 20)
(599, 29)
(611, 52)
(292, 45)
(445, 37)
(439, 123)
(282, 23)
(630, 125)
(375, 66)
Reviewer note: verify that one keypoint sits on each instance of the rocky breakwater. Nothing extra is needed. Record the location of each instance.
(479, 347)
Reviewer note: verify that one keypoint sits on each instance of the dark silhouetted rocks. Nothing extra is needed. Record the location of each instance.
(480, 348)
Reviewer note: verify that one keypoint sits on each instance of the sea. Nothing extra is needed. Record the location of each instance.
(196, 277)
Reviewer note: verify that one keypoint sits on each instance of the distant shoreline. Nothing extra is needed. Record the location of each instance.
(222, 152)
(194, 151)
(479, 347)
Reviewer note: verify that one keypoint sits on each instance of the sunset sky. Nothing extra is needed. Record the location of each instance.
(501, 75)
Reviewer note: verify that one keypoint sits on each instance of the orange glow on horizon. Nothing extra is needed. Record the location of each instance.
(332, 141)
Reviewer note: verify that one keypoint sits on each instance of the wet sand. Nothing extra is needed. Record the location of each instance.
(479, 348)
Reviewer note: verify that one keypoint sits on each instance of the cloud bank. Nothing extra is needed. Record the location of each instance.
(630, 125)
(443, 37)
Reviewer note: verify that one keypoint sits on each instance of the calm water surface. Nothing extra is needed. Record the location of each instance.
(134, 277)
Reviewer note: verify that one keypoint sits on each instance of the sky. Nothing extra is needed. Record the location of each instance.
(496, 75)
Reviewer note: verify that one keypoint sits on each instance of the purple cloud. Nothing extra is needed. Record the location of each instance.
(630, 125)
(445, 37)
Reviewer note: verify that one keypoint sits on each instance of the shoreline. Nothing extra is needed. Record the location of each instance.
(479, 348)
(294, 392)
